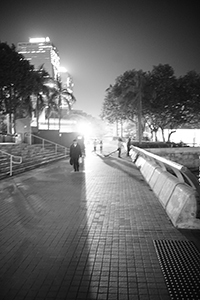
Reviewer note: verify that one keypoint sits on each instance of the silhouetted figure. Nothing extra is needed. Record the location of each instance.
(95, 145)
(128, 146)
(75, 153)
(101, 146)
(119, 147)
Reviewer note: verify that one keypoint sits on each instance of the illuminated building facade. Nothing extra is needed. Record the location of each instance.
(41, 52)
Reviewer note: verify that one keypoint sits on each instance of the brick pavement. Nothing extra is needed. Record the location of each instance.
(86, 235)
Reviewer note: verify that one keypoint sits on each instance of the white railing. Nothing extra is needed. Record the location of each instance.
(12, 161)
(181, 172)
(43, 141)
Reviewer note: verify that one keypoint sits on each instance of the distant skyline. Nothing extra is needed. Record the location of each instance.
(100, 40)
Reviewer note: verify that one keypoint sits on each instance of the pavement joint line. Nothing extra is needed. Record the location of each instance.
(69, 238)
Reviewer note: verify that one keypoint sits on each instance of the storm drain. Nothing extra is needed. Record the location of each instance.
(180, 264)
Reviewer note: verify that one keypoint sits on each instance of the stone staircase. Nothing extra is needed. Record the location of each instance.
(32, 156)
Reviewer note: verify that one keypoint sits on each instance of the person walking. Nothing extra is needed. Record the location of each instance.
(119, 145)
(128, 146)
(95, 145)
(101, 146)
(75, 153)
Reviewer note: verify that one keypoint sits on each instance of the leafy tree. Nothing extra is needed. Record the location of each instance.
(126, 91)
(161, 99)
(112, 111)
(189, 98)
(40, 90)
(18, 81)
(123, 99)
(58, 98)
(3, 127)
(14, 79)
(167, 101)
(111, 107)
(24, 90)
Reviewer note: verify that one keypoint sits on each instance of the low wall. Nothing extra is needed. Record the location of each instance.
(180, 201)
(186, 156)
(64, 139)
(7, 138)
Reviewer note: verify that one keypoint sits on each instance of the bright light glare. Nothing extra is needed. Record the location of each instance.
(85, 129)
(39, 40)
(62, 69)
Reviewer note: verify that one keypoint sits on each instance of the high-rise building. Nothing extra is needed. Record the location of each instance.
(40, 52)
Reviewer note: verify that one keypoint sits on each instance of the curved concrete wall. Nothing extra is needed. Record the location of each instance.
(179, 200)
(182, 207)
(186, 156)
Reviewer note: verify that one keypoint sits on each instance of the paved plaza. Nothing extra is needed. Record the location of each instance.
(83, 235)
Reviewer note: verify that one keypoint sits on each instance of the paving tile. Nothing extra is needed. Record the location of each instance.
(82, 236)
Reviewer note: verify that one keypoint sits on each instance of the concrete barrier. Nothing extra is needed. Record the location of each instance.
(186, 156)
(182, 207)
(147, 169)
(140, 162)
(167, 188)
(159, 181)
(180, 201)
(154, 177)
(133, 155)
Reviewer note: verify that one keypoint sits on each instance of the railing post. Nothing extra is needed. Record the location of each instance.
(48, 141)
(11, 165)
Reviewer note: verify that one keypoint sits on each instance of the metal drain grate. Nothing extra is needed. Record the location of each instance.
(180, 264)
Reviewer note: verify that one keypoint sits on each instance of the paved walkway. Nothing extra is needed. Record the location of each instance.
(86, 235)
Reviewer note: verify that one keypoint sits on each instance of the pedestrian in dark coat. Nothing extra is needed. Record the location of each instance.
(128, 146)
(119, 147)
(75, 153)
(101, 146)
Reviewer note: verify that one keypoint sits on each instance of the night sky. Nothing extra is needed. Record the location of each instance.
(100, 40)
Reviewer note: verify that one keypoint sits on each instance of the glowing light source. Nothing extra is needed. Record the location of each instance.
(62, 69)
(85, 129)
(39, 40)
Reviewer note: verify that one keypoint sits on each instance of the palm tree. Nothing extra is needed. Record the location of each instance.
(59, 97)
(40, 90)
(51, 104)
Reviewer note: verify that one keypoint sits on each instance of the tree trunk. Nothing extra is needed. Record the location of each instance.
(59, 118)
(121, 128)
(10, 123)
(140, 131)
(163, 136)
(169, 136)
(14, 120)
(37, 112)
(117, 128)
(59, 112)
(9, 127)
(48, 120)
(156, 138)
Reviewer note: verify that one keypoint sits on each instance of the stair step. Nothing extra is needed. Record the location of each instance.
(33, 156)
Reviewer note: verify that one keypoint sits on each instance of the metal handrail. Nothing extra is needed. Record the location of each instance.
(180, 171)
(12, 161)
(48, 141)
